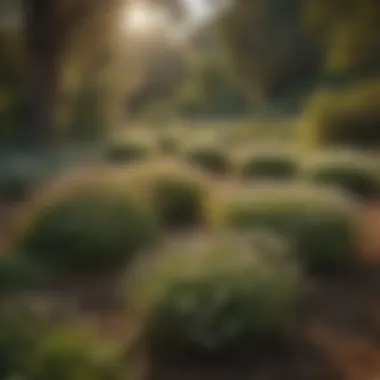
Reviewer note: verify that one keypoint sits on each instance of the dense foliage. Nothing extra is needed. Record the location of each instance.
(92, 230)
(269, 165)
(352, 173)
(343, 118)
(218, 296)
(174, 191)
(179, 202)
(210, 159)
(319, 224)
(31, 348)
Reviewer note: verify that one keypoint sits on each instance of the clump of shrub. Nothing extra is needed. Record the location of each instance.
(31, 348)
(343, 118)
(350, 173)
(320, 224)
(20, 331)
(72, 353)
(18, 272)
(210, 159)
(126, 152)
(269, 165)
(86, 229)
(174, 191)
(220, 296)
(178, 202)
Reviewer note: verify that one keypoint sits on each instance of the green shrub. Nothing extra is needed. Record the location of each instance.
(18, 272)
(179, 202)
(126, 152)
(319, 223)
(343, 118)
(269, 165)
(209, 159)
(71, 354)
(175, 191)
(86, 231)
(216, 297)
(350, 173)
(31, 348)
(20, 331)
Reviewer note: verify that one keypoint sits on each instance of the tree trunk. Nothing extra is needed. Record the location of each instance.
(43, 45)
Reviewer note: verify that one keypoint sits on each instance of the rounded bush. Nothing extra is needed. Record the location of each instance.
(350, 173)
(320, 224)
(343, 118)
(88, 230)
(31, 348)
(173, 190)
(269, 166)
(209, 159)
(126, 152)
(215, 297)
(18, 272)
(71, 353)
(178, 202)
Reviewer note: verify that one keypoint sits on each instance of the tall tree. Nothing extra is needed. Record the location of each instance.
(347, 31)
(278, 44)
(49, 26)
(267, 44)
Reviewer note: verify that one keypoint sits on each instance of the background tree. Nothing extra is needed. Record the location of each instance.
(278, 45)
(52, 30)
(268, 46)
(50, 26)
(346, 30)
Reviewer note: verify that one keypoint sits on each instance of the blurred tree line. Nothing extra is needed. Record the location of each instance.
(199, 83)
(67, 66)
(50, 49)
(69, 71)
(283, 53)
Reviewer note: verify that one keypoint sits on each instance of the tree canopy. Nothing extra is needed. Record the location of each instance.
(277, 45)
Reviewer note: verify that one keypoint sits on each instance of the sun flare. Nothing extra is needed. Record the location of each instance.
(142, 18)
